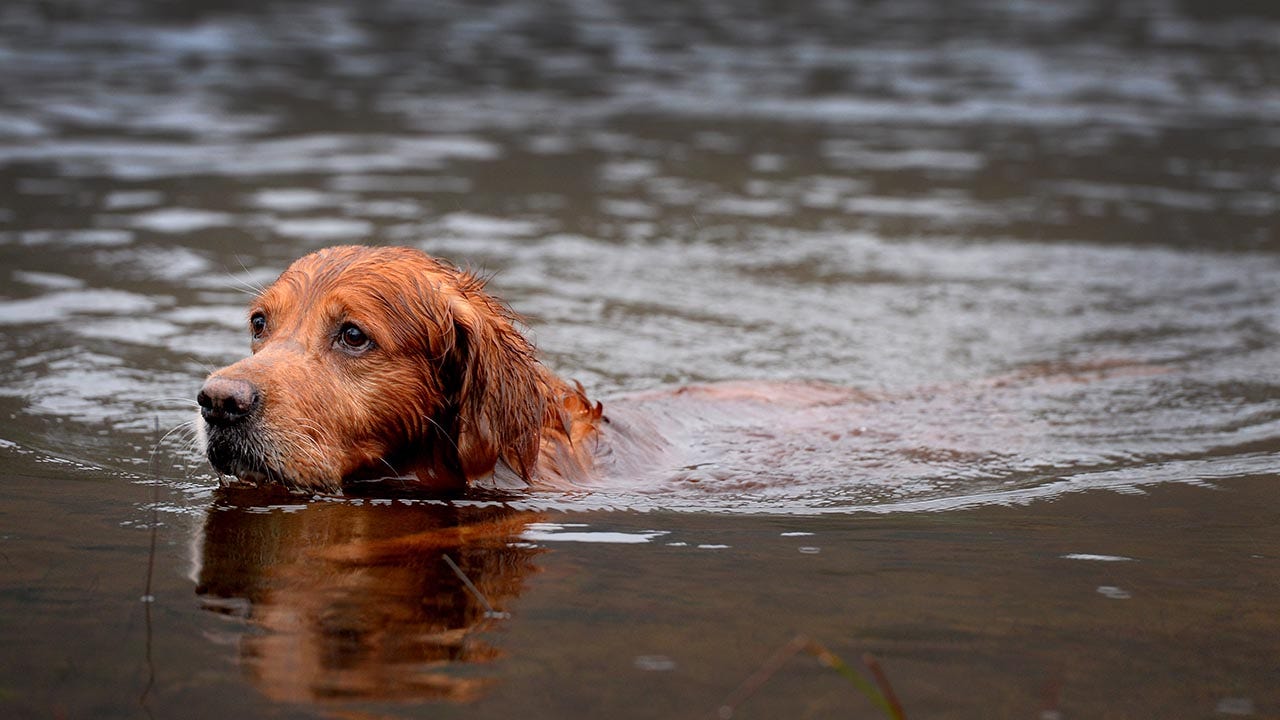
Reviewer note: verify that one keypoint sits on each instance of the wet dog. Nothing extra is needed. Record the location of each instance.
(385, 362)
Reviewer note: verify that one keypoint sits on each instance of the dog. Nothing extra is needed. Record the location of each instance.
(384, 363)
(375, 362)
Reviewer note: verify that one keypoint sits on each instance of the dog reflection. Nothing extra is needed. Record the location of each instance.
(355, 602)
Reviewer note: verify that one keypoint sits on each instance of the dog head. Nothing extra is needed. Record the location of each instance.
(375, 362)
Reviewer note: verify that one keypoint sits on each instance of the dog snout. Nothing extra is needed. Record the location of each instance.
(226, 401)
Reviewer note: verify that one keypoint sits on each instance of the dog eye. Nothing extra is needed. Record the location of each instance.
(257, 325)
(353, 338)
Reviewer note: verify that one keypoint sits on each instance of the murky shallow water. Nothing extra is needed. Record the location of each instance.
(909, 198)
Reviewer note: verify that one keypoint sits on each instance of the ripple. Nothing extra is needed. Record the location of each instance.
(294, 199)
(48, 281)
(17, 126)
(78, 238)
(747, 207)
(471, 224)
(852, 155)
(323, 229)
(129, 199)
(139, 160)
(61, 306)
(547, 532)
(180, 220)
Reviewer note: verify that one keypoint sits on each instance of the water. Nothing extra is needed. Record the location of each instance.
(1040, 236)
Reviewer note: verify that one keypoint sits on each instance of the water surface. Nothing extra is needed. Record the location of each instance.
(1041, 235)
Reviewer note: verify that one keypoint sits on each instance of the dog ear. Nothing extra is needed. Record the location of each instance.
(498, 398)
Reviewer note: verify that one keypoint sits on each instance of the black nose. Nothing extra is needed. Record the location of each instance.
(224, 401)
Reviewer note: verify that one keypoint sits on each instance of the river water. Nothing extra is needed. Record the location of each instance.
(1043, 235)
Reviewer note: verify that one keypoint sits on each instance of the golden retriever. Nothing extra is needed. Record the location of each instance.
(372, 362)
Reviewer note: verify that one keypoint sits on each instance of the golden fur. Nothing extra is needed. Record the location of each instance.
(446, 392)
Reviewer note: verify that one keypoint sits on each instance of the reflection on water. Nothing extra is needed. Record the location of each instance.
(340, 601)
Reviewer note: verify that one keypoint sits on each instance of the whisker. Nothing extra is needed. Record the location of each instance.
(312, 442)
(394, 472)
(181, 400)
(242, 284)
(186, 425)
(242, 287)
(208, 369)
(443, 432)
(259, 288)
(299, 443)
(153, 459)
(319, 433)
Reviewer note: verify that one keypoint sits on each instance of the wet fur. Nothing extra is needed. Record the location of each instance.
(449, 394)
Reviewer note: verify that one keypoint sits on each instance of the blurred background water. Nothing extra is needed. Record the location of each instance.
(885, 195)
